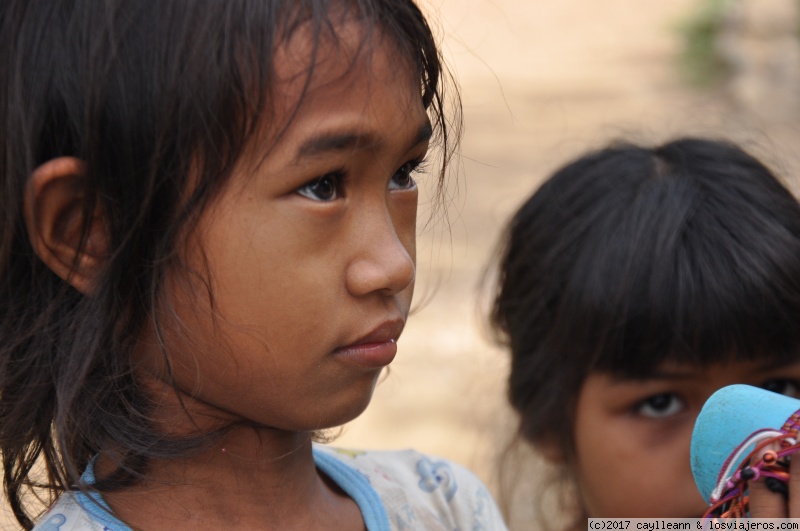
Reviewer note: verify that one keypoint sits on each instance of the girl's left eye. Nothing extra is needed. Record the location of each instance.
(783, 386)
(324, 189)
(402, 179)
(660, 406)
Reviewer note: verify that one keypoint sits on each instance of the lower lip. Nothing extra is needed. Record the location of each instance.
(368, 355)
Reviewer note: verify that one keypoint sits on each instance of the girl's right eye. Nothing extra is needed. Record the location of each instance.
(324, 189)
(660, 406)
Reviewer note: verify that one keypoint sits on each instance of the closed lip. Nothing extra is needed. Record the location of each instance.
(384, 332)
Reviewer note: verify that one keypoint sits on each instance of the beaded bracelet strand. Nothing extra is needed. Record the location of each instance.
(769, 459)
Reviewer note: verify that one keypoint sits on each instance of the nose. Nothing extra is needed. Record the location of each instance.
(695, 505)
(383, 262)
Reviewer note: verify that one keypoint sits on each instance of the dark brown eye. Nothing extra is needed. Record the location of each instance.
(660, 405)
(782, 386)
(402, 179)
(326, 188)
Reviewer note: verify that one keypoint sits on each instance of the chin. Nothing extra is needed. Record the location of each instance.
(332, 414)
(351, 413)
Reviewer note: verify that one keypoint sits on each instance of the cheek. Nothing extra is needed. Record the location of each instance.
(602, 459)
(404, 218)
(224, 299)
(635, 468)
(267, 264)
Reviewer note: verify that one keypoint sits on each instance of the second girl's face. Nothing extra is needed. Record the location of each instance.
(632, 437)
(309, 252)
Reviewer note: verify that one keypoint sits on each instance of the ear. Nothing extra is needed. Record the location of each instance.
(54, 202)
(551, 449)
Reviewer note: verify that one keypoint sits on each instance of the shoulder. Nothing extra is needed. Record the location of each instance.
(419, 491)
(69, 513)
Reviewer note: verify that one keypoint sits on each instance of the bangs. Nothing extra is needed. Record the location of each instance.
(699, 266)
(631, 258)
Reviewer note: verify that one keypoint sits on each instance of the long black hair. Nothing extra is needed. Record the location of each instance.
(632, 256)
(146, 94)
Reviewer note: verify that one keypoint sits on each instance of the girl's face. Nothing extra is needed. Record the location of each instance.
(632, 437)
(309, 252)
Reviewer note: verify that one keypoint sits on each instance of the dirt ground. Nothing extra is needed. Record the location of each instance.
(541, 81)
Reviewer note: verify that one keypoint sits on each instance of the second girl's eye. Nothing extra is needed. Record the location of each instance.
(782, 386)
(402, 179)
(324, 189)
(660, 406)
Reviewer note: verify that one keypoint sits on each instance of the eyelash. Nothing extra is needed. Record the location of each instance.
(339, 177)
(793, 385)
(640, 407)
(644, 408)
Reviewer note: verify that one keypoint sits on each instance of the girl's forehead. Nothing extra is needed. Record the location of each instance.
(313, 71)
(347, 82)
(310, 59)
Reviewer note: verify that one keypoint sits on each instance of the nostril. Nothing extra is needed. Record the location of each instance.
(384, 270)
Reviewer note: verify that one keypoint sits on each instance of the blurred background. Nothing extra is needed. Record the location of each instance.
(542, 81)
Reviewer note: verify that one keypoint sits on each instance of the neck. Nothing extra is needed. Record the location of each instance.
(251, 478)
(245, 460)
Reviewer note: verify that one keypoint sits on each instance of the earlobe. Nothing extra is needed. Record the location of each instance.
(550, 448)
(54, 216)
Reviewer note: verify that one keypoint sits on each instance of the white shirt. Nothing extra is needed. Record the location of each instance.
(395, 491)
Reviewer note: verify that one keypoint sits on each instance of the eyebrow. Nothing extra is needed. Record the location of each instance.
(775, 365)
(340, 141)
(658, 373)
(654, 375)
(681, 374)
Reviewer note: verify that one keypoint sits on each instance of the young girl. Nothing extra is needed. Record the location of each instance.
(633, 284)
(207, 255)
